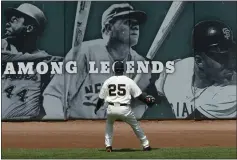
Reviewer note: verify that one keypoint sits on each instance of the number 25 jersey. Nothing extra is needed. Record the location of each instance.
(119, 89)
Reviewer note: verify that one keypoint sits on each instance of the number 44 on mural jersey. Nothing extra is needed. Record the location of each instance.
(21, 94)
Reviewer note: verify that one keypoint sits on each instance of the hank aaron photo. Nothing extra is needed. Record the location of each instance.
(120, 25)
(22, 93)
(204, 86)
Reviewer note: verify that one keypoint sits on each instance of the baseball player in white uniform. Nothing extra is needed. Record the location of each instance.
(204, 86)
(120, 31)
(22, 93)
(117, 91)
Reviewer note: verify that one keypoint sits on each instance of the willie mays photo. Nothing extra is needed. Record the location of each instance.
(204, 86)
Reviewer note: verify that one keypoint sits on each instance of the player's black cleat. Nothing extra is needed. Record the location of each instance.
(109, 149)
(147, 149)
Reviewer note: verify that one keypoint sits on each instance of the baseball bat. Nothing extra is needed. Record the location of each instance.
(166, 26)
(82, 13)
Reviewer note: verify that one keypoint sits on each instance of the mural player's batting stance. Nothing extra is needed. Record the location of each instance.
(117, 91)
(22, 92)
(204, 86)
(120, 32)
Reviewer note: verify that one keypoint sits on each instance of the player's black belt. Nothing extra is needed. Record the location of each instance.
(121, 104)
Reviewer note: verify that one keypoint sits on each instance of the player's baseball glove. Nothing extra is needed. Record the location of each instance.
(150, 100)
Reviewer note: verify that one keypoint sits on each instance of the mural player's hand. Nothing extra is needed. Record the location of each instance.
(95, 111)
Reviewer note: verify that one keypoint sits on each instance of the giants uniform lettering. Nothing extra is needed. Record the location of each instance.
(182, 109)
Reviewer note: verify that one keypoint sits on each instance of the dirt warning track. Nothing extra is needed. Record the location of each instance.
(90, 134)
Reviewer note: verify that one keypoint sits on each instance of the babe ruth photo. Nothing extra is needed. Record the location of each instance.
(204, 86)
(22, 93)
(120, 25)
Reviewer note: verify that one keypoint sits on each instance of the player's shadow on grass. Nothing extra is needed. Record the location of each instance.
(126, 150)
(130, 150)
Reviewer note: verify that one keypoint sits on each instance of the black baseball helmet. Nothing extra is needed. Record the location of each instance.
(212, 37)
(118, 67)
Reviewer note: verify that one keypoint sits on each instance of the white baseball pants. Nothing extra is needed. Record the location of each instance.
(125, 114)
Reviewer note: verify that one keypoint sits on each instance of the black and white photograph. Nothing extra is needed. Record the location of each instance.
(55, 62)
(22, 92)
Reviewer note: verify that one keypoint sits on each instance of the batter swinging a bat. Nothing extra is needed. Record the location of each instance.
(120, 32)
(117, 91)
(204, 86)
(22, 93)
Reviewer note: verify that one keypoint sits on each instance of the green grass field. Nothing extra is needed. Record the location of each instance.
(208, 152)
